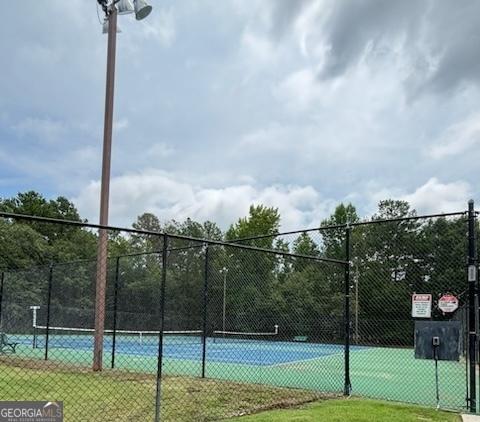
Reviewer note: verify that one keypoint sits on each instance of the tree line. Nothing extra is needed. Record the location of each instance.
(246, 290)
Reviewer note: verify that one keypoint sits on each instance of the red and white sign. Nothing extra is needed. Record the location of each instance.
(448, 303)
(421, 306)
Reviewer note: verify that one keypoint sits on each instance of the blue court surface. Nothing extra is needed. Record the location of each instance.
(249, 352)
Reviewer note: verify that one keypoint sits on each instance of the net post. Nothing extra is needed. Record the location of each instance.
(158, 395)
(2, 279)
(34, 341)
(205, 304)
(472, 285)
(347, 384)
(115, 304)
(34, 309)
(49, 300)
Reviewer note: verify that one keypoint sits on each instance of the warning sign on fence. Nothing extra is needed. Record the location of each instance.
(421, 306)
(448, 303)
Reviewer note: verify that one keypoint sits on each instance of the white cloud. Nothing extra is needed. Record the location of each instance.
(437, 197)
(164, 195)
(120, 125)
(458, 138)
(159, 150)
(300, 90)
(276, 96)
(257, 48)
(46, 130)
(431, 198)
(160, 27)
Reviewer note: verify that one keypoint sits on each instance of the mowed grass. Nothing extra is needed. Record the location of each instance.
(123, 396)
(353, 410)
(376, 372)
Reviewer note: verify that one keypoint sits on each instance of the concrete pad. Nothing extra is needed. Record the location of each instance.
(470, 418)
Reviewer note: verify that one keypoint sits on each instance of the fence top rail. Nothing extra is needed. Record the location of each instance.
(321, 228)
(82, 224)
(349, 225)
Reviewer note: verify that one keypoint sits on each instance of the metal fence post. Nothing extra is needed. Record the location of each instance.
(347, 386)
(205, 304)
(472, 278)
(115, 304)
(49, 300)
(158, 395)
(2, 279)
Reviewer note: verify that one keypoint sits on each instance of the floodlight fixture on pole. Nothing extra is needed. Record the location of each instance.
(111, 8)
(125, 7)
(142, 9)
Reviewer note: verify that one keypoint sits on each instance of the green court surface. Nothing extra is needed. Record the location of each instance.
(376, 372)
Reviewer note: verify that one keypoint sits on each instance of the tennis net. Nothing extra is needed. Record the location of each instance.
(242, 336)
(83, 337)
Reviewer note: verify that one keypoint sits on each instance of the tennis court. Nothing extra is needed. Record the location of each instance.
(330, 334)
(379, 372)
(250, 349)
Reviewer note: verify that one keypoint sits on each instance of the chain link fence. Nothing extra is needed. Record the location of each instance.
(200, 330)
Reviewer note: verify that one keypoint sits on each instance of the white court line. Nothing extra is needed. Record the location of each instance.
(301, 361)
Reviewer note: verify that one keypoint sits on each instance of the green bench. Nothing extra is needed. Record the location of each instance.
(300, 338)
(6, 346)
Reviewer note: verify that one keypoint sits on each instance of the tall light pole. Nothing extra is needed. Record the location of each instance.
(111, 9)
(224, 271)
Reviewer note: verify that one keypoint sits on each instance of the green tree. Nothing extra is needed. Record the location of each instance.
(261, 220)
(253, 273)
(304, 245)
(32, 246)
(22, 246)
(333, 239)
(67, 242)
(386, 265)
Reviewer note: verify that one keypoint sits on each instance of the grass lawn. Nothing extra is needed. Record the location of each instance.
(376, 372)
(353, 410)
(126, 396)
(130, 396)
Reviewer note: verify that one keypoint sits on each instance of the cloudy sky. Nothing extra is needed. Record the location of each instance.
(298, 104)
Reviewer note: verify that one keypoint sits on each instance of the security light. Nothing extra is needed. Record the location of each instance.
(125, 7)
(142, 9)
